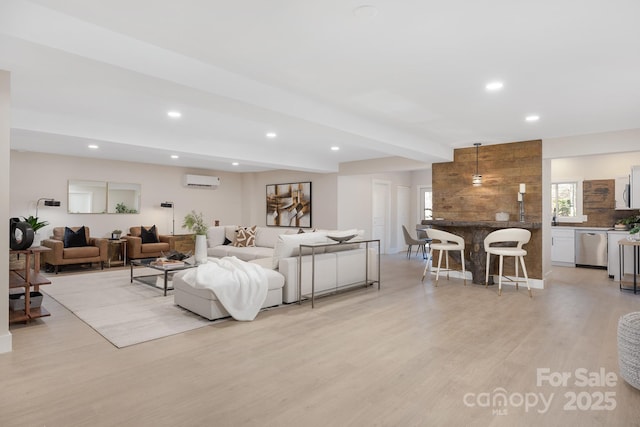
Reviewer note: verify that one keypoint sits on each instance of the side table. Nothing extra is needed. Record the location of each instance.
(636, 262)
(183, 243)
(117, 253)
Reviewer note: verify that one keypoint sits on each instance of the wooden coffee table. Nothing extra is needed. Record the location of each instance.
(151, 279)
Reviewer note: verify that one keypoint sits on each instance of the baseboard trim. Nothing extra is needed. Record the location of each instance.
(533, 283)
(6, 343)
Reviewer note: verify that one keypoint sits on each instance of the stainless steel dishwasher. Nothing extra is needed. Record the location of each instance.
(591, 248)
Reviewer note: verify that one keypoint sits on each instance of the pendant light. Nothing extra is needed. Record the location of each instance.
(477, 178)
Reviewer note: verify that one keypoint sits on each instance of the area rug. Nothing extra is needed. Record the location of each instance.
(124, 313)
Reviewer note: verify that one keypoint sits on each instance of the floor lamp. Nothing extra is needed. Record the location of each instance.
(173, 215)
(47, 202)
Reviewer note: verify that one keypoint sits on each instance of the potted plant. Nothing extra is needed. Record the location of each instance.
(34, 222)
(630, 221)
(115, 234)
(35, 225)
(194, 222)
(634, 232)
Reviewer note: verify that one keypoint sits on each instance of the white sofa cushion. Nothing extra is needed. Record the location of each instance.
(205, 303)
(245, 254)
(215, 236)
(230, 232)
(267, 237)
(288, 245)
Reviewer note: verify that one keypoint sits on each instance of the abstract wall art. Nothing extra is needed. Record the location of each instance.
(289, 205)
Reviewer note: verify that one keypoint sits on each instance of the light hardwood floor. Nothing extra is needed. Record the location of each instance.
(407, 355)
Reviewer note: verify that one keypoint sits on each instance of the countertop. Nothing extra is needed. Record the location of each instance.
(484, 224)
(562, 227)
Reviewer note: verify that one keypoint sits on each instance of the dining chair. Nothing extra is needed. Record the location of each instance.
(501, 238)
(410, 241)
(444, 241)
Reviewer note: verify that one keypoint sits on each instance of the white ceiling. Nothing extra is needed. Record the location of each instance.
(407, 79)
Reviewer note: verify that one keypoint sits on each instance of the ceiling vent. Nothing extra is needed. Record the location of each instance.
(201, 181)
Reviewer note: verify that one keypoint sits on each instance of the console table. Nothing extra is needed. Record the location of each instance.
(27, 278)
(314, 246)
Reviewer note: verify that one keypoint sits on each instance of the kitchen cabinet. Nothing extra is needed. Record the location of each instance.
(622, 193)
(635, 187)
(614, 255)
(563, 246)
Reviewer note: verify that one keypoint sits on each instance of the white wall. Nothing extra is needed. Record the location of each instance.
(240, 199)
(35, 175)
(623, 141)
(355, 199)
(324, 197)
(602, 166)
(5, 335)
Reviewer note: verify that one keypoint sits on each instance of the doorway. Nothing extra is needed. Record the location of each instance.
(380, 203)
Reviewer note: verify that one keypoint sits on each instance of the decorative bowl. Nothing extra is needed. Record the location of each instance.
(502, 216)
(342, 239)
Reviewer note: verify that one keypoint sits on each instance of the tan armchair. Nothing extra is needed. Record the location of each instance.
(96, 250)
(136, 249)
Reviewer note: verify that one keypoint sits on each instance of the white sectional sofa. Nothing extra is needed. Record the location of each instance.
(265, 241)
(277, 249)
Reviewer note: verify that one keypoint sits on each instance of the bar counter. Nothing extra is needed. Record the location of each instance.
(482, 224)
(474, 233)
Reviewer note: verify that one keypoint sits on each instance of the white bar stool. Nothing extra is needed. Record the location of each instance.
(508, 235)
(446, 242)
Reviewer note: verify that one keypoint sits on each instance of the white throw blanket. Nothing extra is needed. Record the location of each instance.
(241, 287)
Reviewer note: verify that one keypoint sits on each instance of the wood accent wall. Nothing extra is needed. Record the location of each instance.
(503, 167)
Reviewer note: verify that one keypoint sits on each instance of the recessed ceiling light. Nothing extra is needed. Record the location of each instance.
(492, 86)
(93, 146)
(174, 114)
(175, 156)
(335, 148)
(235, 164)
(532, 118)
(271, 135)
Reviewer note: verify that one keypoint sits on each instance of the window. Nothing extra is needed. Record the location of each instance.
(426, 203)
(566, 201)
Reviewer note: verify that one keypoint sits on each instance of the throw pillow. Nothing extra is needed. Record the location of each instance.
(150, 235)
(245, 237)
(215, 236)
(75, 239)
(288, 245)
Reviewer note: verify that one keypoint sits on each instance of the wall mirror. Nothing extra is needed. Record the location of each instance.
(123, 197)
(86, 196)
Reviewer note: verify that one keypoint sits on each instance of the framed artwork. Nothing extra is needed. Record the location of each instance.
(289, 205)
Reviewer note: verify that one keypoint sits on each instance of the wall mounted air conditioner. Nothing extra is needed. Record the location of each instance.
(201, 181)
